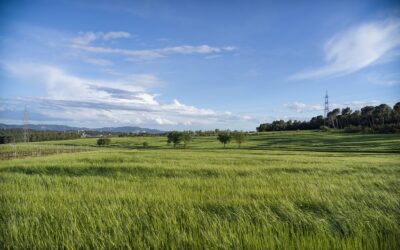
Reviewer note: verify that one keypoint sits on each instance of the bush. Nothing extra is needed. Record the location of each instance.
(6, 139)
(353, 129)
(103, 141)
(145, 144)
(324, 128)
(386, 129)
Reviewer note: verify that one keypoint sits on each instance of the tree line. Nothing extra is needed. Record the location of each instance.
(17, 135)
(11, 135)
(381, 118)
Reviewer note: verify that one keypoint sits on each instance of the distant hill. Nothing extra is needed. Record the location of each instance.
(49, 127)
(128, 129)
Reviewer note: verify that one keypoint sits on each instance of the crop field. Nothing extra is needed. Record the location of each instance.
(19, 150)
(280, 190)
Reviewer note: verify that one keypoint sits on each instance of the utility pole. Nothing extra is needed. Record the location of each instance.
(26, 125)
(326, 109)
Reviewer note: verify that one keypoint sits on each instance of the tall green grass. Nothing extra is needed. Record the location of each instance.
(261, 197)
(285, 140)
(19, 150)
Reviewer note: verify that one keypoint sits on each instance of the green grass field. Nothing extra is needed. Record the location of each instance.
(287, 190)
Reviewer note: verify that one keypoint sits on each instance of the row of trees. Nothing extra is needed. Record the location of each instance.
(10, 135)
(226, 136)
(381, 118)
(175, 138)
(17, 135)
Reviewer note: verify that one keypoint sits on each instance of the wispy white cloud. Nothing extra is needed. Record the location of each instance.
(301, 107)
(357, 105)
(144, 80)
(85, 38)
(122, 101)
(115, 35)
(61, 85)
(153, 53)
(357, 48)
(384, 79)
(83, 43)
(212, 57)
(97, 61)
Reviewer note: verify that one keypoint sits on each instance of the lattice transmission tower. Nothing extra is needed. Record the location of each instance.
(326, 108)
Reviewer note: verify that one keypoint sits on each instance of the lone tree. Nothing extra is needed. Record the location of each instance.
(103, 141)
(224, 137)
(239, 137)
(186, 138)
(174, 137)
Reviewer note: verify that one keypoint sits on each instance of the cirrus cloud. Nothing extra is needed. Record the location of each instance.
(357, 48)
(84, 43)
(85, 38)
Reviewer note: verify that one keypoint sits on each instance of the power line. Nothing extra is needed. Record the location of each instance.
(26, 125)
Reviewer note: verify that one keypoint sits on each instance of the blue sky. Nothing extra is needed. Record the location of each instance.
(194, 64)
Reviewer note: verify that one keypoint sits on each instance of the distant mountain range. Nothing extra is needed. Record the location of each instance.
(49, 127)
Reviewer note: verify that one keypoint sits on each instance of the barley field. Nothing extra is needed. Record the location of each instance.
(282, 190)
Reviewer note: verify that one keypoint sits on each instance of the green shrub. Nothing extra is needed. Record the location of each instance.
(353, 129)
(324, 128)
(367, 130)
(386, 129)
(103, 141)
